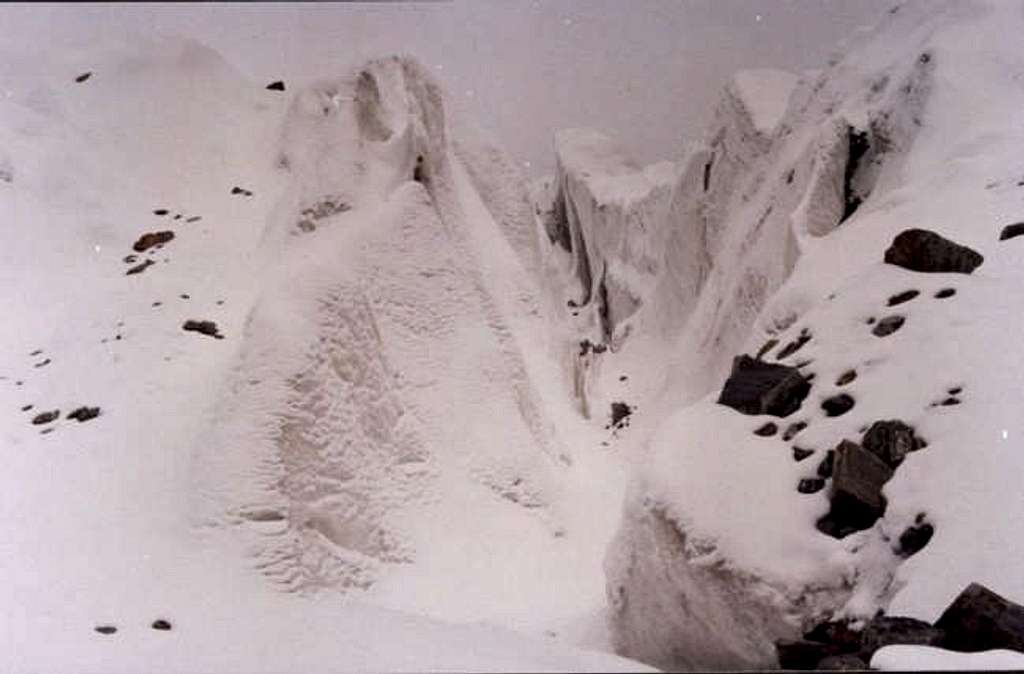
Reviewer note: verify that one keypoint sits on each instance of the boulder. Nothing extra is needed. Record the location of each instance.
(913, 539)
(161, 624)
(923, 250)
(857, 500)
(981, 620)
(756, 387)
(891, 441)
(896, 630)
(276, 86)
(793, 429)
(802, 653)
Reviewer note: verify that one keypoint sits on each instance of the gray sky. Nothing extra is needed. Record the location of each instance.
(645, 71)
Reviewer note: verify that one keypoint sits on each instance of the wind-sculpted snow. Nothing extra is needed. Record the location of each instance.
(405, 388)
(893, 136)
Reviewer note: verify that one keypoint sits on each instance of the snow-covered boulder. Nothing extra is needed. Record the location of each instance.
(722, 549)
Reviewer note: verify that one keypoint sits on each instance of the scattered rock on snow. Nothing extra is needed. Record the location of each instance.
(795, 345)
(981, 620)
(756, 387)
(45, 417)
(276, 86)
(161, 624)
(139, 268)
(83, 77)
(891, 441)
(799, 453)
(106, 629)
(923, 250)
(26, 408)
(1011, 231)
(84, 413)
(766, 431)
(944, 293)
(810, 485)
(846, 377)
(620, 414)
(239, 190)
(838, 405)
(902, 297)
(914, 538)
(204, 327)
(887, 326)
(857, 500)
(160, 211)
(768, 346)
(151, 239)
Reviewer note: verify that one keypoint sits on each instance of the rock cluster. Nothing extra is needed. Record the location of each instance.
(977, 620)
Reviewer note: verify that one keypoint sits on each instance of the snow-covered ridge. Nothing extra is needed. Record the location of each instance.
(718, 554)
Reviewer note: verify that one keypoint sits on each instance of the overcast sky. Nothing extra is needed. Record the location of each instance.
(645, 71)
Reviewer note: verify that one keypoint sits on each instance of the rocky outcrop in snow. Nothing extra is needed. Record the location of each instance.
(718, 555)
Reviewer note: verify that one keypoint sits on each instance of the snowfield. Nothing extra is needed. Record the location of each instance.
(347, 393)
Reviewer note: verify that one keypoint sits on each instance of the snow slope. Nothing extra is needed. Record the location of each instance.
(371, 422)
(718, 554)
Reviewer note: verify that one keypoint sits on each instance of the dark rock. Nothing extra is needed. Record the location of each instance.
(810, 485)
(896, 630)
(793, 429)
(795, 345)
(150, 239)
(914, 539)
(204, 327)
(130, 259)
(768, 346)
(981, 620)
(944, 293)
(871, 320)
(106, 629)
(923, 250)
(161, 211)
(842, 663)
(955, 390)
(620, 414)
(239, 190)
(183, 296)
(948, 402)
(766, 431)
(276, 86)
(45, 417)
(846, 377)
(887, 326)
(756, 387)
(1010, 231)
(801, 654)
(161, 624)
(83, 77)
(139, 268)
(84, 413)
(194, 218)
(799, 454)
(37, 352)
(622, 377)
(838, 405)
(42, 363)
(857, 500)
(891, 441)
(905, 296)
(157, 304)
(26, 408)
(838, 635)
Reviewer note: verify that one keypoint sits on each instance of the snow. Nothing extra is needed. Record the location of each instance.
(295, 495)
(926, 658)
(766, 93)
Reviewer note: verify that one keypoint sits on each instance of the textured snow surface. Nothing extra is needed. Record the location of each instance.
(766, 94)
(370, 453)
